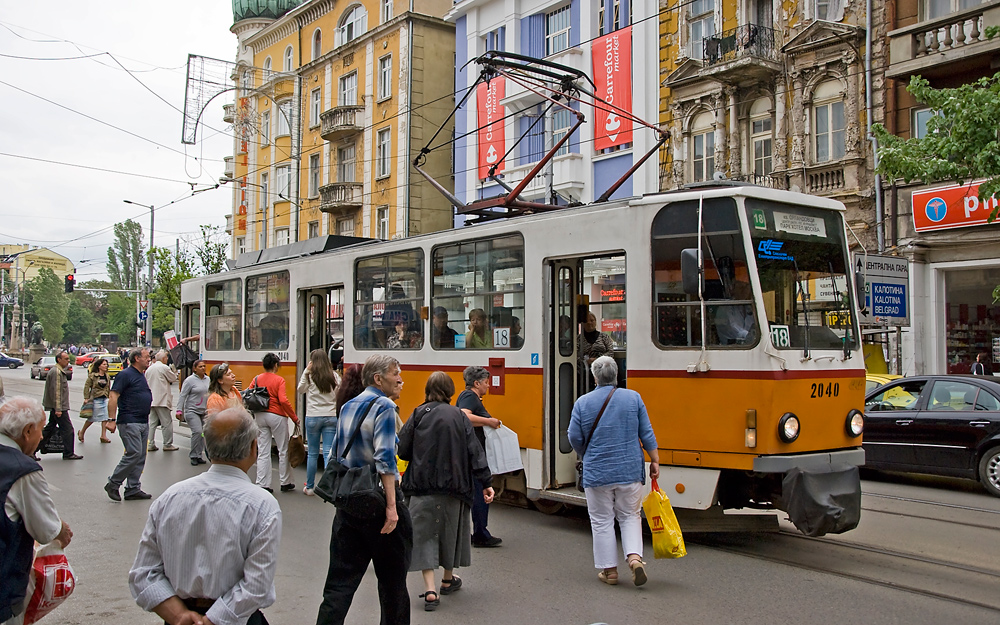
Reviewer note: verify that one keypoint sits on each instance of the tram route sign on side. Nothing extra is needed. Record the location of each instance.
(887, 290)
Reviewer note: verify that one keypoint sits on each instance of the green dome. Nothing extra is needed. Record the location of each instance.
(245, 9)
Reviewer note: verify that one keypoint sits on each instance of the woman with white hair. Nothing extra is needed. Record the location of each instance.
(609, 429)
(29, 512)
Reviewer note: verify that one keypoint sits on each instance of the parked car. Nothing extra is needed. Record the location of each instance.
(10, 362)
(937, 424)
(42, 366)
(875, 380)
(86, 359)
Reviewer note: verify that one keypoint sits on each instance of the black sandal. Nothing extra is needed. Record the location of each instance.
(453, 585)
(430, 604)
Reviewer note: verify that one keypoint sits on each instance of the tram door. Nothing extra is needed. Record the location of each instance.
(323, 323)
(587, 301)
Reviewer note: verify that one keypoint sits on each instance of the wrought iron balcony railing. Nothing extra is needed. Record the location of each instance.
(748, 40)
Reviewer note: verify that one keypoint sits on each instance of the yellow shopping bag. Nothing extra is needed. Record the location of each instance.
(667, 539)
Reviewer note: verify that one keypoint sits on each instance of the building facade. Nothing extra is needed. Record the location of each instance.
(333, 101)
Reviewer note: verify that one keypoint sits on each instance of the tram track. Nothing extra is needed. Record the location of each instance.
(994, 526)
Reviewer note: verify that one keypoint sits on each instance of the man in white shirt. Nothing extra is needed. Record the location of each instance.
(159, 377)
(209, 551)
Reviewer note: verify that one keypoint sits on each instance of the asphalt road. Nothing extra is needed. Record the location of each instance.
(543, 573)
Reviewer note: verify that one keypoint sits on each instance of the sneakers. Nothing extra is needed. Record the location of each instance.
(138, 495)
(308, 491)
(152, 448)
(112, 492)
(170, 448)
(287, 487)
(492, 541)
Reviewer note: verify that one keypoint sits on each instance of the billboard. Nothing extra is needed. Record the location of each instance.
(952, 206)
(612, 58)
(491, 125)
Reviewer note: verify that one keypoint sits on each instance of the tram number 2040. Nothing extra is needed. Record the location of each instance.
(829, 389)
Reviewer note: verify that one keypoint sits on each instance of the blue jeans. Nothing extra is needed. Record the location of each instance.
(318, 428)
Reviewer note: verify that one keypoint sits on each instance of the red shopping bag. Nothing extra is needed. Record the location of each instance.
(50, 583)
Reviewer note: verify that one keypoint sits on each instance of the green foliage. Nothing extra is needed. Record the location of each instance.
(127, 256)
(81, 323)
(212, 250)
(171, 269)
(962, 141)
(49, 303)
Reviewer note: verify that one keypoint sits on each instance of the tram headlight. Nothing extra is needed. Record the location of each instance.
(855, 423)
(788, 427)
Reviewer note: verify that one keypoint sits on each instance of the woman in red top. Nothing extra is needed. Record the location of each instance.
(274, 424)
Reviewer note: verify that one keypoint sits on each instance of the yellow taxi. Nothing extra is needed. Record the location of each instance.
(114, 363)
(875, 380)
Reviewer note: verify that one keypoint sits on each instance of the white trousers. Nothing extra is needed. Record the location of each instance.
(272, 426)
(605, 504)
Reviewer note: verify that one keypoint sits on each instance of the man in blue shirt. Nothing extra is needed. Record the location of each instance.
(355, 542)
(128, 407)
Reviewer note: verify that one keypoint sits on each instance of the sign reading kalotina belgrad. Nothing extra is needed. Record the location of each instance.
(887, 290)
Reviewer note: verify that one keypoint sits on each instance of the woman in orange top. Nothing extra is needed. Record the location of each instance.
(221, 391)
(274, 424)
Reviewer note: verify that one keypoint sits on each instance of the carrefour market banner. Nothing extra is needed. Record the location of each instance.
(612, 56)
(953, 206)
(491, 125)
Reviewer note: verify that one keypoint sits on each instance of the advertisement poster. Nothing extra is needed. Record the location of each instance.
(612, 55)
(953, 206)
(491, 126)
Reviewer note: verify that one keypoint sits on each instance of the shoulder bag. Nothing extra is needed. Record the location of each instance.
(256, 398)
(586, 442)
(356, 490)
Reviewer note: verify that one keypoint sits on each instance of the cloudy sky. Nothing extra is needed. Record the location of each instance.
(81, 135)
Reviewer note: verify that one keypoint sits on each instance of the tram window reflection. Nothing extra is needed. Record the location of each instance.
(223, 308)
(268, 311)
(388, 297)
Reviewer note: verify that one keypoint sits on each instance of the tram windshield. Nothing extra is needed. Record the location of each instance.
(804, 270)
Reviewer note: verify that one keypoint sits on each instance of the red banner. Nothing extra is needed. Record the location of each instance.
(612, 55)
(491, 129)
(954, 206)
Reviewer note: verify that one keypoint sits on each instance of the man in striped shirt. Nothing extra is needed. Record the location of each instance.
(209, 551)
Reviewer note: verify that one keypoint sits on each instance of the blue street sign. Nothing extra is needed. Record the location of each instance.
(143, 315)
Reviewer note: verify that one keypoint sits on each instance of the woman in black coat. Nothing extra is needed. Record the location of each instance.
(444, 457)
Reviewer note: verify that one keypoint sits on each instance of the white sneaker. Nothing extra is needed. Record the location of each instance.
(308, 491)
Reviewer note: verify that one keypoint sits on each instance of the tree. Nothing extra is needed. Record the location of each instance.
(212, 250)
(172, 268)
(127, 256)
(81, 323)
(49, 303)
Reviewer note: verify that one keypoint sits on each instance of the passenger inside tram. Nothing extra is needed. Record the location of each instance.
(479, 335)
(442, 336)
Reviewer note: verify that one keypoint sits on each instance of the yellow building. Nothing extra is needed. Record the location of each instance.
(27, 260)
(334, 100)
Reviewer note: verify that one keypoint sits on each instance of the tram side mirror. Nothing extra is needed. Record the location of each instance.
(859, 285)
(691, 278)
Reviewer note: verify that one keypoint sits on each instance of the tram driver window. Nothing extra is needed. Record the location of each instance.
(222, 316)
(388, 297)
(478, 298)
(730, 318)
(267, 311)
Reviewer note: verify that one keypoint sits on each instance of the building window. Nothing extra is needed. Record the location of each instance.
(265, 198)
(284, 111)
(382, 223)
(610, 16)
(934, 9)
(281, 236)
(385, 10)
(920, 118)
(701, 25)
(314, 172)
(265, 128)
(495, 40)
(346, 165)
(385, 77)
(267, 69)
(830, 124)
(348, 90)
(761, 137)
(382, 154)
(245, 83)
(345, 227)
(241, 245)
(317, 44)
(314, 107)
(557, 30)
(287, 67)
(313, 229)
(703, 147)
(562, 121)
(352, 26)
(282, 176)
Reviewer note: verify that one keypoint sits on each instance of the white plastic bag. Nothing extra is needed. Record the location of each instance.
(503, 453)
(50, 583)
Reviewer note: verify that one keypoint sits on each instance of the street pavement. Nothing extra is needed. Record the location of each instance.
(543, 572)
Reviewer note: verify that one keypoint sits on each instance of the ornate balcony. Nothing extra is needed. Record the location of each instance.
(741, 53)
(228, 113)
(771, 181)
(341, 197)
(229, 224)
(341, 122)
(937, 47)
(230, 170)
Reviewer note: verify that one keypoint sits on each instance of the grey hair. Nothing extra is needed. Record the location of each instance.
(233, 445)
(379, 364)
(473, 374)
(605, 371)
(161, 355)
(17, 413)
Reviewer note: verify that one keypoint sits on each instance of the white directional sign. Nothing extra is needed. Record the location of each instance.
(887, 291)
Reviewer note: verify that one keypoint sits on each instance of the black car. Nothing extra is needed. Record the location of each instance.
(938, 424)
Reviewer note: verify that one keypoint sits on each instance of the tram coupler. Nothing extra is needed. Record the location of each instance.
(822, 500)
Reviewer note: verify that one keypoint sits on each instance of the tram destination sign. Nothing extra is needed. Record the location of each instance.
(887, 290)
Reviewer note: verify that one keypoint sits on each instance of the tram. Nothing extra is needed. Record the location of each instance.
(731, 307)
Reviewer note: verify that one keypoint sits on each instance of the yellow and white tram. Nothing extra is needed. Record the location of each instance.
(731, 308)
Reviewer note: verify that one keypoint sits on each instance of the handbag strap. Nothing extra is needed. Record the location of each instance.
(600, 414)
(357, 428)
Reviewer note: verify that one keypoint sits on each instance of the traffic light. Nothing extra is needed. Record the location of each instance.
(70, 283)
(142, 336)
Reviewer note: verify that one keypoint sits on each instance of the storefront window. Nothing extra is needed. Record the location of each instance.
(973, 318)
(222, 316)
(267, 311)
(389, 293)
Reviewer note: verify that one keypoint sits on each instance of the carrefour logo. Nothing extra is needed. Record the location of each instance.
(936, 209)
(769, 248)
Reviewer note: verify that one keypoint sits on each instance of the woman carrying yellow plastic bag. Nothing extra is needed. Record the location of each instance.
(668, 542)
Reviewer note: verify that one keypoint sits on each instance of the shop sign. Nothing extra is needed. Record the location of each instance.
(492, 141)
(612, 57)
(953, 206)
(887, 291)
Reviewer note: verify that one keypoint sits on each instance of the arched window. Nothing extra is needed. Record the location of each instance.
(761, 137)
(829, 121)
(267, 68)
(703, 147)
(317, 44)
(288, 59)
(352, 25)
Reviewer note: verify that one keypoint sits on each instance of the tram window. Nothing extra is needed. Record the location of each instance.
(730, 319)
(223, 307)
(268, 311)
(388, 297)
(192, 327)
(478, 297)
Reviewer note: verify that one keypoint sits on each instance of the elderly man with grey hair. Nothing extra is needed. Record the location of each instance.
(29, 512)
(609, 429)
(160, 377)
(209, 551)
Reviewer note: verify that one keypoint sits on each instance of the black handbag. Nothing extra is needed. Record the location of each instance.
(356, 490)
(256, 398)
(586, 443)
(53, 444)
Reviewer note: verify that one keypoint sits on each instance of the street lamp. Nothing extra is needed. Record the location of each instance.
(149, 288)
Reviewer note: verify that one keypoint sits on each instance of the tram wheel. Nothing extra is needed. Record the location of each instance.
(547, 506)
(989, 471)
